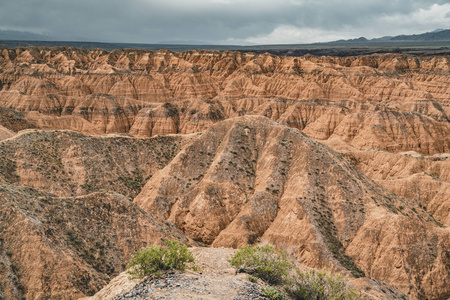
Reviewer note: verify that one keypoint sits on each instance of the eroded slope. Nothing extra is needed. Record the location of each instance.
(250, 179)
(159, 92)
(65, 248)
(422, 179)
(68, 163)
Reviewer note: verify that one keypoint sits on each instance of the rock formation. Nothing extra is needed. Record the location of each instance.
(343, 161)
(249, 179)
(147, 93)
(422, 179)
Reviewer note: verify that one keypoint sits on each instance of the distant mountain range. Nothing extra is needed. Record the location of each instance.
(441, 35)
(432, 36)
(13, 35)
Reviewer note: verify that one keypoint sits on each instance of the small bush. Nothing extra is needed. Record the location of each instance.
(319, 285)
(272, 293)
(155, 259)
(275, 268)
(262, 262)
(252, 278)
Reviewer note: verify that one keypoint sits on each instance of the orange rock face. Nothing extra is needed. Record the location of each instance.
(391, 102)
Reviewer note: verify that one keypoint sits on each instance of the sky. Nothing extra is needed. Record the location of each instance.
(238, 22)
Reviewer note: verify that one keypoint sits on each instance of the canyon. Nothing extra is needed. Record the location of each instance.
(342, 161)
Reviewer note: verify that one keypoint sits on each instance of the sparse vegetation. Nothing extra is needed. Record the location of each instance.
(155, 259)
(263, 262)
(275, 268)
(314, 284)
(272, 293)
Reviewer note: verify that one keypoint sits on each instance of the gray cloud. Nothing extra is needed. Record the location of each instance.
(222, 21)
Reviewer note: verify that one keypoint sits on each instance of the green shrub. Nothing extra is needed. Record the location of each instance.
(319, 285)
(252, 278)
(262, 262)
(155, 259)
(272, 293)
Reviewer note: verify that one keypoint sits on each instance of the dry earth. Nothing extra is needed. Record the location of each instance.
(69, 163)
(391, 102)
(64, 248)
(225, 146)
(250, 179)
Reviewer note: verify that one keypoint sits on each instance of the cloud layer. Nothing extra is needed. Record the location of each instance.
(223, 21)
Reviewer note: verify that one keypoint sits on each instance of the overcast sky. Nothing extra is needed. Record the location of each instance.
(223, 21)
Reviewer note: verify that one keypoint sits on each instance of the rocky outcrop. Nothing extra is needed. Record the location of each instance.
(250, 179)
(363, 126)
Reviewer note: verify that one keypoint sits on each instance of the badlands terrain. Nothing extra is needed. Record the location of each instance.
(342, 161)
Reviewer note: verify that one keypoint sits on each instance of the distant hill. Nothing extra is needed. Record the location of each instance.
(433, 36)
(357, 40)
(12, 35)
(441, 35)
